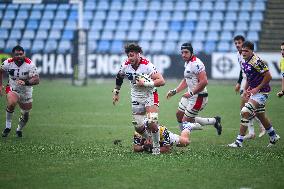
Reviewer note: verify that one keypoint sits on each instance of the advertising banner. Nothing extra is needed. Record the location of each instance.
(226, 66)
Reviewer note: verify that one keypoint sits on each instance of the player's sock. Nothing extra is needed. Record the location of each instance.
(9, 115)
(251, 128)
(156, 139)
(174, 138)
(205, 121)
(240, 139)
(271, 132)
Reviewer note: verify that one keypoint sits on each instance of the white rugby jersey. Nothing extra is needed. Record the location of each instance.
(145, 67)
(192, 69)
(240, 60)
(23, 72)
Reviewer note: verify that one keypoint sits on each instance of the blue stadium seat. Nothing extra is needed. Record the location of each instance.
(71, 25)
(93, 35)
(120, 35)
(9, 15)
(128, 6)
(165, 16)
(170, 47)
(45, 24)
(252, 36)
(41, 34)
(142, 5)
(48, 15)
(167, 6)
(212, 36)
(175, 25)
(173, 36)
(1, 13)
(26, 44)
(202, 26)
(133, 35)
(13, 6)
(103, 46)
(110, 25)
(205, 16)
(19, 24)
(35, 14)
(100, 15)
(15, 34)
(254, 26)
(103, 5)
(162, 25)
(52, 6)
(178, 16)
(64, 7)
(229, 26)
(199, 36)
(136, 25)
(223, 46)
(58, 25)
(156, 46)
(246, 5)
(113, 15)
(259, 6)
(220, 6)
(180, 6)
(126, 16)
(4, 33)
(107, 35)
(152, 15)
(61, 15)
(11, 44)
(90, 5)
(186, 36)
(96, 25)
(86, 24)
(155, 5)
(64, 46)
(145, 45)
(2, 6)
(189, 26)
(2, 44)
(50, 46)
(191, 16)
(139, 16)
(22, 14)
(244, 16)
(226, 36)
(218, 16)
(123, 25)
(146, 35)
(231, 16)
(32, 24)
(73, 15)
(209, 47)
(194, 5)
(92, 46)
(25, 7)
(116, 5)
(54, 34)
(207, 6)
(257, 16)
(242, 26)
(159, 35)
(29, 34)
(6, 24)
(38, 7)
(215, 26)
(197, 46)
(149, 25)
(116, 46)
(233, 6)
(68, 35)
(88, 15)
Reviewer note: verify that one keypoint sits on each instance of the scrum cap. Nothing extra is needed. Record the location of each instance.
(187, 46)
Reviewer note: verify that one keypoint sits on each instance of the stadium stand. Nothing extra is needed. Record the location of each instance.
(159, 25)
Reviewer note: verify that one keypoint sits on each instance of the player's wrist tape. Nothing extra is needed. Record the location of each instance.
(173, 91)
(115, 91)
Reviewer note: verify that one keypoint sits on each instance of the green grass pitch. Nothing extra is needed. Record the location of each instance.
(68, 143)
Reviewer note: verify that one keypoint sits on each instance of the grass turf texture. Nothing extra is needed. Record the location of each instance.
(68, 143)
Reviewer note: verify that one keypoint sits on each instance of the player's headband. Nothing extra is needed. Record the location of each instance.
(187, 46)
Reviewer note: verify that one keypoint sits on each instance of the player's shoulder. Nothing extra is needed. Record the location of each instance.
(9, 60)
(126, 62)
(144, 61)
(28, 61)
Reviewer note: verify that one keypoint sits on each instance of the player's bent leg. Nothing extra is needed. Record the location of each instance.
(152, 116)
(24, 118)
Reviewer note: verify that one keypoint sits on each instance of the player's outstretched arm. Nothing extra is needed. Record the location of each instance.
(179, 88)
(118, 82)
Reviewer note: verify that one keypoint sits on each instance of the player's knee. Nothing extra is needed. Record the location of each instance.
(138, 121)
(248, 111)
(152, 117)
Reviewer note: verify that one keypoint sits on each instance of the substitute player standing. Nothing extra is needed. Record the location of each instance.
(238, 41)
(143, 77)
(22, 76)
(196, 97)
(281, 93)
(256, 91)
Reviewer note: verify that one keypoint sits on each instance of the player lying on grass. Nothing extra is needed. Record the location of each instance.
(167, 139)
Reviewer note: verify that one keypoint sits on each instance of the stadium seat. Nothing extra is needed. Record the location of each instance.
(255, 26)
(135, 26)
(92, 46)
(199, 36)
(152, 16)
(220, 6)
(93, 35)
(15, 34)
(149, 25)
(29, 34)
(233, 6)
(191, 16)
(218, 16)
(38, 7)
(229, 26)
(259, 6)
(163, 26)
(12, 6)
(103, 5)
(110, 25)
(159, 35)
(35, 14)
(139, 16)
(168, 6)
(180, 6)
(226, 36)
(61, 15)
(197, 46)
(71, 25)
(212, 36)
(175, 25)
(90, 5)
(19, 24)
(123, 25)
(189, 26)
(25, 7)
(170, 47)
(116, 5)
(2, 44)
(32, 24)
(165, 16)
(156, 46)
(73, 15)
(223, 46)
(11, 44)
(22, 14)
(244, 15)
(64, 46)
(37, 46)
(209, 47)
(103, 46)
(50, 46)
(120, 35)
(116, 46)
(68, 35)
(57, 25)
(246, 6)
(194, 6)
(126, 16)
(145, 45)
(54, 34)
(51, 6)
(64, 7)
(96, 25)
(257, 16)
(178, 16)
(252, 36)
(107, 35)
(155, 5)
(6, 24)
(242, 26)
(142, 5)
(113, 15)
(230, 16)
(9, 15)
(128, 6)
(202, 26)
(88, 15)
(133, 36)
(48, 15)
(41, 34)
(100, 15)
(207, 6)
(173, 36)
(146, 35)
(186, 36)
